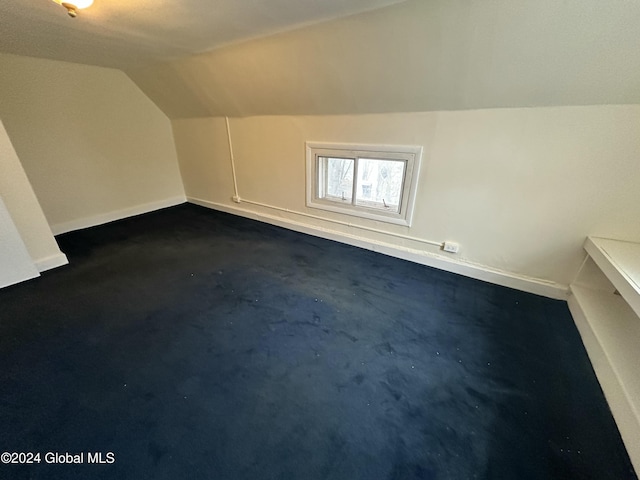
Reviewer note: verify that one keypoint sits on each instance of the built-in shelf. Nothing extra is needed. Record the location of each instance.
(605, 304)
(620, 262)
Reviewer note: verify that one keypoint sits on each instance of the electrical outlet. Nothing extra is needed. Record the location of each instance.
(450, 247)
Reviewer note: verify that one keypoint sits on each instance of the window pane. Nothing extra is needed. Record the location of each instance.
(380, 184)
(337, 179)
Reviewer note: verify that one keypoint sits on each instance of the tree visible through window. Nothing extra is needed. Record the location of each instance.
(380, 183)
(367, 183)
(339, 178)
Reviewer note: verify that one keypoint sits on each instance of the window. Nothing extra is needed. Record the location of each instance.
(371, 181)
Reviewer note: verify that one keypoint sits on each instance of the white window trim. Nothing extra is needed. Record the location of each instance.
(412, 154)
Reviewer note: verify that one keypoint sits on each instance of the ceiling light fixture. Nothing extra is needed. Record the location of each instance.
(72, 8)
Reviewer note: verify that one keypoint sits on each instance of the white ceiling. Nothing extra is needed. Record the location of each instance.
(128, 34)
(414, 56)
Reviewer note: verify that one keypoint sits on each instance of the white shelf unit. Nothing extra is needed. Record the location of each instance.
(605, 304)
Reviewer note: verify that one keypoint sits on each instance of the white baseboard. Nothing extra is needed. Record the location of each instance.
(115, 215)
(52, 261)
(467, 269)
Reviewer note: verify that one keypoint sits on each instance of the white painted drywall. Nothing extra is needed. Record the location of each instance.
(15, 262)
(519, 189)
(417, 56)
(25, 212)
(204, 158)
(93, 145)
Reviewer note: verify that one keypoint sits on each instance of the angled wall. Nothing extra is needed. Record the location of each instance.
(24, 225)
(15, 262)
(94, 147)
(417, 56)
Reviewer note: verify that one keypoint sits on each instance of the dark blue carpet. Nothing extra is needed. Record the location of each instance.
(194, 344)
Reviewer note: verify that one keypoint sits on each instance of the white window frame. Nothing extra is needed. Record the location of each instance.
(410, 154)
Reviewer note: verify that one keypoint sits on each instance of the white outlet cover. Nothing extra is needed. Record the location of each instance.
(451, 247)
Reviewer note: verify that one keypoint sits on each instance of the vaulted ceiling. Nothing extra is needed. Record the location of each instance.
(420, 55)
(197, 58)
(124, 33)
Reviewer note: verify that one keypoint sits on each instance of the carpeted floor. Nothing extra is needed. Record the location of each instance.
(194, 344)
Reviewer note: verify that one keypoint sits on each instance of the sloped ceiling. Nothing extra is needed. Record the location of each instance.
(419, 55)
(129, 33)
(371, 56)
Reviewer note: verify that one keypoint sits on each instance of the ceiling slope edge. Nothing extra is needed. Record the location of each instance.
(416, 56)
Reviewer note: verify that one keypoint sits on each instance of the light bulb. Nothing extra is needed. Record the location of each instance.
(80, 4)
(74, 5)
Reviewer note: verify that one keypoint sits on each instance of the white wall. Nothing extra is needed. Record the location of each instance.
(519, 189)
(94, 147)
(25, 216)
(15, 262)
